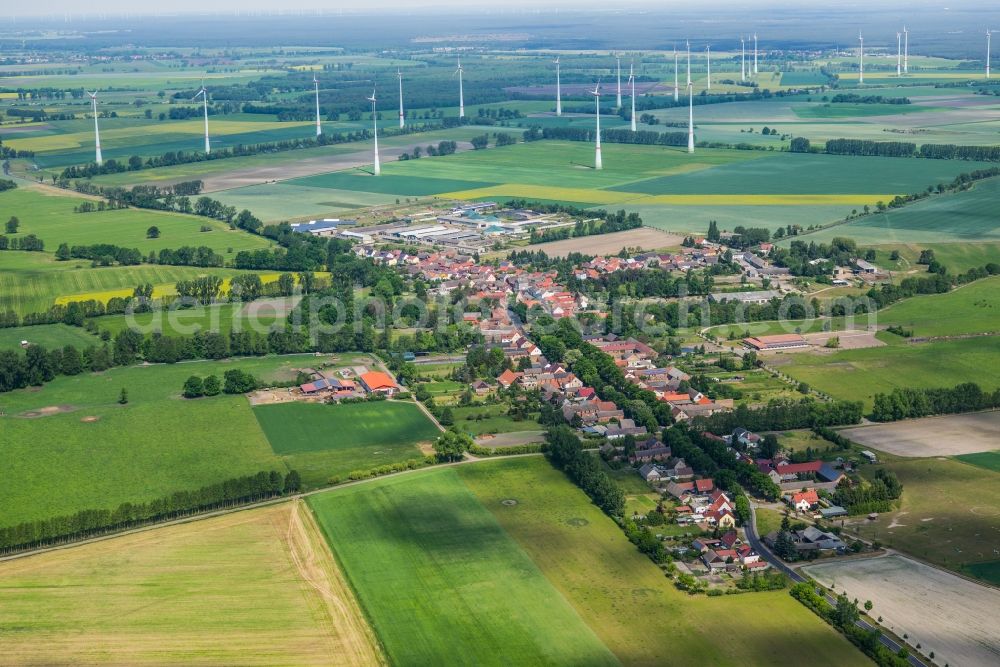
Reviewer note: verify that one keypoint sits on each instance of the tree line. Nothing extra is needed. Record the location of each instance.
(782, 415)
(107, 254)
(909, 402)
(868, 147)
(92, 522)
(565, 452)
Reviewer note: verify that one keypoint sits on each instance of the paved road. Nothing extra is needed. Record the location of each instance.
(777, 563)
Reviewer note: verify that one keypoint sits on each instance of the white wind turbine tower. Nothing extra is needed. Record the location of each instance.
(378, 169)
(906, 50)
(690, 118)
(97, 132)
(689, 62)
(755, 54)
(618, 61)
(204, 97)
(461, 92)
(899, 54)
(319, 125)
(987, 57)
(708, 68)
(558, 90)
(597, 116)
(402, 117)
(861, 59)
(631, 80)
(677, 91)
(743, 59)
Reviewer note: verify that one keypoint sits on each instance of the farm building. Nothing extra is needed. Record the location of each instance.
(760, 297)
(776, 342)
(376, 381)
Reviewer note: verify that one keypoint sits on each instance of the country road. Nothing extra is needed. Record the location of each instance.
(777, 563)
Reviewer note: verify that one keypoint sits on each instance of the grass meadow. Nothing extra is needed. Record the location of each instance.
(156, 444)
(249, 588)
(47, 335)
(972, 308)
(860, 374)
(323, 441)
(949, 515)
(442, 582)
(988, 460)
(48, 214)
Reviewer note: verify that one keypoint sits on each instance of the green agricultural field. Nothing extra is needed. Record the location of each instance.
(31, 282)
(69, 445)
(860, 374)
(972, 308)
(255, 587)
(988, 460)
(792, 173)
(610, 584)
(948, 515)
(441, 581)
(48, 214)
(324, 441)
(222, 318)
(965, 217)
(47, 335)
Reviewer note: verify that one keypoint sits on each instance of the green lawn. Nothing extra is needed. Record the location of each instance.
(768, 520)
(323, 441)
(948, 514)
(494, 420)
(49, 216)
(47, 335)
(627, 600)
(156, 444)
(860, 374)
(442, 582)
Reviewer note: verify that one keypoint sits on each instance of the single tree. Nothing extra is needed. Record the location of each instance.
(153, 232)
(13, 224)
(123, 397)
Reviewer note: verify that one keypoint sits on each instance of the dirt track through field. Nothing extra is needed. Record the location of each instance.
(932, 436)
(951, 616)
(308, 167)
(312, 558)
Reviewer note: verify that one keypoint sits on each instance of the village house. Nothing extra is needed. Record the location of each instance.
(803, 501)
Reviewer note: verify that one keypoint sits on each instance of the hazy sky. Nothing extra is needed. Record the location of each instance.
(92, 8)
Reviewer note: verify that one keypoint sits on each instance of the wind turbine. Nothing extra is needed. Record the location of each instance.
(597, 116)
(204, 96)
(402, 121)
(558, 90)
(319, 126)
(906, 50)
(618, 65)
(689, 62)
(987, 68)
(755, 54)
(631, 80)
(690, 118)
(861, 59)
(378, 168)
(743, 59)
(97, 132)
(899, 54)
(461, 92)
(677, 87)
(708, 68)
